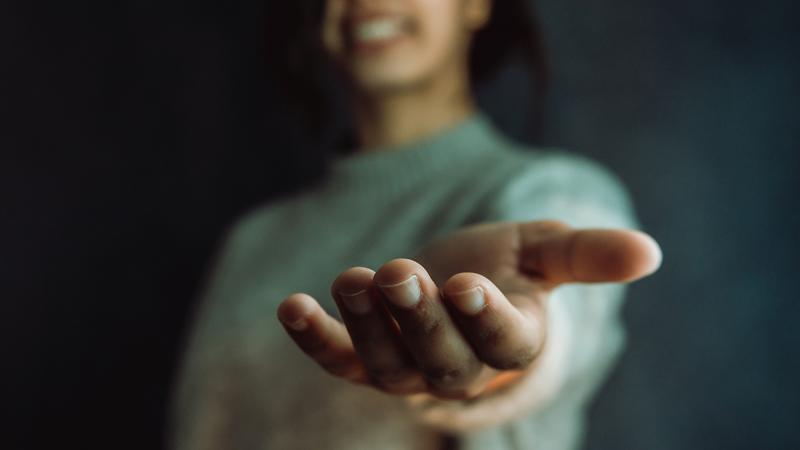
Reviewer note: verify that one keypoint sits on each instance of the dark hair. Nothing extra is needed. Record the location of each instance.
(296, 59)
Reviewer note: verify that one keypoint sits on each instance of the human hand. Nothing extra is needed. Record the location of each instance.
(467, 313)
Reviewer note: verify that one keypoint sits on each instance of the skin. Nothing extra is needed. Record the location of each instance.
(407, 341)
(419, 84)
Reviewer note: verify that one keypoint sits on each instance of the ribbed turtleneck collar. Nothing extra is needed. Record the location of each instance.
(392, 168)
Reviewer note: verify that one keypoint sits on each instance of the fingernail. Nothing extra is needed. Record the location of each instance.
(357, 302)
(469, 302)
(405, 294)
(295, 313)
(298, 325)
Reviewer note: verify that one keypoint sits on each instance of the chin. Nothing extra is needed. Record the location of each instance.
(386, 79)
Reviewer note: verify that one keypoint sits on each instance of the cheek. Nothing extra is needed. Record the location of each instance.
(440, 34)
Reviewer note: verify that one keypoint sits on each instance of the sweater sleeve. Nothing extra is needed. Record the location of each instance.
(585, 336)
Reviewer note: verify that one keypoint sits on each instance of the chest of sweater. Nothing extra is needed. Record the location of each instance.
(305, 245)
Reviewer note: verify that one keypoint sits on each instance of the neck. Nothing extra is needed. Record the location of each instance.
(396, 118)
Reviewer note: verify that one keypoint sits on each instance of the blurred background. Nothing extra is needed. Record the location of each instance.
(134, 131)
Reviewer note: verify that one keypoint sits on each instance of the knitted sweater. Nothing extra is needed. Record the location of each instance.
(244, 384)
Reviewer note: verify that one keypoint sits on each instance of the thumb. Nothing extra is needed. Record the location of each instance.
(560, 254)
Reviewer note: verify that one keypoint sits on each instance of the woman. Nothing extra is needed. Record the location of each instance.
(450, 254)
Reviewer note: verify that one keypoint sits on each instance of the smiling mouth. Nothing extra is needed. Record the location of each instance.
(377, 29)
(374, 34)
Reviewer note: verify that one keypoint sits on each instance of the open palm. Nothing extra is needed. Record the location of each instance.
(464, 314)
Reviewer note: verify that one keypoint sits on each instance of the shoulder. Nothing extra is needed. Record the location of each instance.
(557, 170)
(553, 183)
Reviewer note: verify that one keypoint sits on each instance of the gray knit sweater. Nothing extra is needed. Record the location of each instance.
(244, 384)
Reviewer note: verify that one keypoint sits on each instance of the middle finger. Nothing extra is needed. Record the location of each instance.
(442, 354)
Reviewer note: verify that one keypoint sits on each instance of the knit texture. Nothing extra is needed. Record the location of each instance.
(244, 384)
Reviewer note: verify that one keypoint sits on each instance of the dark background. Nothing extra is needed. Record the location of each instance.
(133, 132)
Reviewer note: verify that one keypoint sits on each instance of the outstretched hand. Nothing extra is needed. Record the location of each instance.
(467, 313)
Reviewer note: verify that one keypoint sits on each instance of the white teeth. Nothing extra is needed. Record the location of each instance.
(377, 29)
